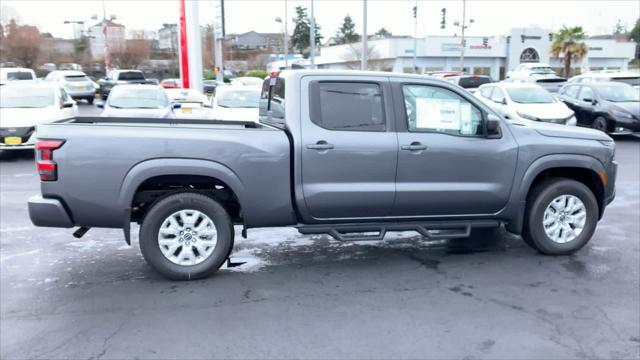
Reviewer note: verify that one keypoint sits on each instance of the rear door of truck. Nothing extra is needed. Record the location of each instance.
(349, 147)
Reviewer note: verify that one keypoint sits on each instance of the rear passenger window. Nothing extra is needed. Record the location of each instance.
(435, 109)
(486, 92)
(354, 106)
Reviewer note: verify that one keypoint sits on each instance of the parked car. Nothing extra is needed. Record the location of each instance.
(236, 103)
(525, 101)
(140, 101)
(76, 83)
(209, 86)
(468, 82)
(171, 83)
(247, 81)
(193, 104)
(120, 77)
(627, 77)
(25, 104)
(612, 107)
(70, 66)
(525, 70)
(358, 154)
(16, 73)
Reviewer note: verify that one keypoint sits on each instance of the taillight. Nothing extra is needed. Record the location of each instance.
(47, 168)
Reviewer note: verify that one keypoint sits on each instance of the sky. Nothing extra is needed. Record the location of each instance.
(491, 17)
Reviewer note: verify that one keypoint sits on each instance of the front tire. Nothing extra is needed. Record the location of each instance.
(600, 123)
(561, 216)
(186, 236)
(90, 100)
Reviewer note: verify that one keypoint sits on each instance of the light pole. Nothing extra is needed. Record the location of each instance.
(312, 38)
(363, 60)
(415, 37)
(463, 27)
(285, 41)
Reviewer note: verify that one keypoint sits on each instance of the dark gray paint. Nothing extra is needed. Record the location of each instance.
(365, 177)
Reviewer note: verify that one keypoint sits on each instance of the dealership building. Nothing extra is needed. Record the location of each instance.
(490, 55)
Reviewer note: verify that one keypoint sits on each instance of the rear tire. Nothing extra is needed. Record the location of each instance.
(90, 100)
(204, 262)
(562, 202)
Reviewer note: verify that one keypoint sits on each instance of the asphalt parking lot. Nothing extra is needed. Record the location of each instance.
(311, 297)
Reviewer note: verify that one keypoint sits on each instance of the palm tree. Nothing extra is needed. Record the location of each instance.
(567, 41)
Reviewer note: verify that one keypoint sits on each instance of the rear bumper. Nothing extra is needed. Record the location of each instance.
(48, 212)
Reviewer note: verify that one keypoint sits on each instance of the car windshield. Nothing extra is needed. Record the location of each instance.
(72, 78)
(634, 81)
(130, 75)
(239, 98)
(619, 93)
(530, 95)
(19, 75)
(25, 97)
(542, 70)
(130, 98)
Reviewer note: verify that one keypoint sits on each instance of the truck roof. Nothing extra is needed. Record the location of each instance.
(290, 74)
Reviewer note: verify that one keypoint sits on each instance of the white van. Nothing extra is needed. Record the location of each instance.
(14, 74)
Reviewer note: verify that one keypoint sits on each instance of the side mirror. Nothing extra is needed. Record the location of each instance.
(175, 106)
(592, 101)
(100, 105)
(492, 125)
(68, 104)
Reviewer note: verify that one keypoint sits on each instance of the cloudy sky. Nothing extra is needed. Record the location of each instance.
(492, 17)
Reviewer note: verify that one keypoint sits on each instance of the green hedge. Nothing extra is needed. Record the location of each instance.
(257, 73)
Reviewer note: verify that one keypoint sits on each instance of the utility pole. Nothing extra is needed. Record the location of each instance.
(312, 38)
(415, 36)
(363, 60)
(286, 36)
(218, 38)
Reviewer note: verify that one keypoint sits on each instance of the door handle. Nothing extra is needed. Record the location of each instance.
(320, 145)
(415, 146)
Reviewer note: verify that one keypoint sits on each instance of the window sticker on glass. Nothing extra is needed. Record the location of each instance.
(441, 114)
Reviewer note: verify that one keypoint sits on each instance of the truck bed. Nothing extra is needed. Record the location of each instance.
(104, 160)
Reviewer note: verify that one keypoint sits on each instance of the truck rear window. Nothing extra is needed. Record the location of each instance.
(131, 75)
(277, 102)
(472, 82)
(355, 106)
(19, 75)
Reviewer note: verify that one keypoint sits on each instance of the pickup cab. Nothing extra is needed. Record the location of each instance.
(350, 154)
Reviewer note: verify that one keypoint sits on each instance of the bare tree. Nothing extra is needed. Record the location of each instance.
(133, 53)
(374, 62)
(22, 44)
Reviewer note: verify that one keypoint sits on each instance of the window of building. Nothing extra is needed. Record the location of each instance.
(347, 106)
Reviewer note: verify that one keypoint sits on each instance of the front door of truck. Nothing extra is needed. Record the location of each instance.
(446, 164)
(348, 147)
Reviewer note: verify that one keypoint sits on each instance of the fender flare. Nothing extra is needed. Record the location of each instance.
(145, 170)
(556, 161)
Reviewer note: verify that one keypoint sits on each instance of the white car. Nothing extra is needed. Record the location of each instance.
(525, 101)
(193, 103)
(627, 77)
(25, 104)
(76, 83)
(247, 81)
(525, 70)
(238, 103)
(16, 73)
(137, 100)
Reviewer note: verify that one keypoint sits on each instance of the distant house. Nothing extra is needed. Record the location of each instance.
(115, 37)
(257, 41)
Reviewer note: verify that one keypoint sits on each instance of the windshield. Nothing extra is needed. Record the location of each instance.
(76, 78)
(619, 93)
(137, 98)
(239, 98)
(530, 95)
(25, 97)
(19, 75)
(542, 70)
(635, 81)
(130, 75)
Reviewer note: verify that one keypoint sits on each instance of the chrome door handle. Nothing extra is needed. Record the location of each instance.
(415, 146)
(320, 145)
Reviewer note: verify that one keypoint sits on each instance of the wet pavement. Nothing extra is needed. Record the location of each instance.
(313, 297)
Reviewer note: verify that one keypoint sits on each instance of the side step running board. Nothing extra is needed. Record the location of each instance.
(434, 230)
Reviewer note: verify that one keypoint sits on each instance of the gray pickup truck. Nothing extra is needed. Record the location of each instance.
(350, 154)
